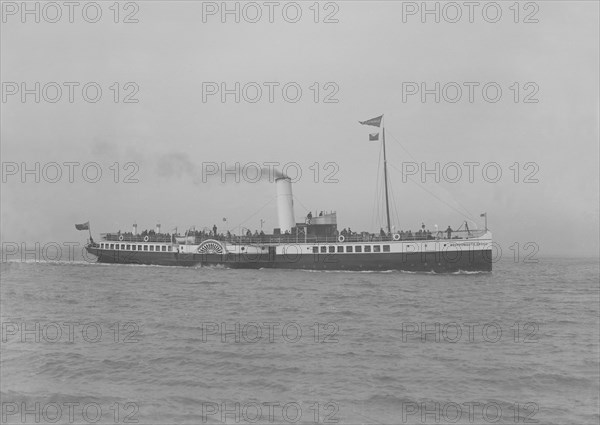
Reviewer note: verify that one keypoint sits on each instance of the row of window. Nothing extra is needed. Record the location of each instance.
(129, 247)
(323, 249)
(349, 248)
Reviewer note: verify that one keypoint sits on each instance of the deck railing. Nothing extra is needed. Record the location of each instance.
(300, 238)
(362, 237)
(129, 237)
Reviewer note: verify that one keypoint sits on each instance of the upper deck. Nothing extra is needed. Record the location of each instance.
(299, 238)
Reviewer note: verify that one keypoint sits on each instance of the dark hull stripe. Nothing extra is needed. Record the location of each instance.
(475, 260)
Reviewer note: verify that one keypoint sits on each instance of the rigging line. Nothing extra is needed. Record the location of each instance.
(469, 216)
(379, 196)
(465, 211)
(409, 154)
(400, 144)
(375, 209)
(383, 219)
(395, 206)
(259, 210)
(391, 194)
(397, 213)
(301, 204)
(381, 204)
(380, 201)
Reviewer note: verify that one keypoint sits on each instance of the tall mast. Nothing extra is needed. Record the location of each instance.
(385, 179)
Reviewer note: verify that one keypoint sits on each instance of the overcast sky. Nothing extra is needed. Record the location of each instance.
(367, 58)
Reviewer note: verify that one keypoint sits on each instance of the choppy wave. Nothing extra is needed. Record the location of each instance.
(342, 337)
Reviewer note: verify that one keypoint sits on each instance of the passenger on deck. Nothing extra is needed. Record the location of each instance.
(249, 233)
(449, 232)
(381, 232)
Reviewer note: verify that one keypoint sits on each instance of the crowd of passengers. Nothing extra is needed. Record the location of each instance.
(421, 234)
(199, 235)
(151, 236)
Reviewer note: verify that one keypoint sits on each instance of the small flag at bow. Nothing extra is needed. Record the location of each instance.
(376, 122)
(373, 137)
(84, 226)
(482, 214)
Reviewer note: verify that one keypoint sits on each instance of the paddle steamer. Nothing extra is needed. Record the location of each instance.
(315, 244)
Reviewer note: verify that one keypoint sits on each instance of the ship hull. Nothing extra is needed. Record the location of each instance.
(413, 262)
(433, 261)
(145, 258)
